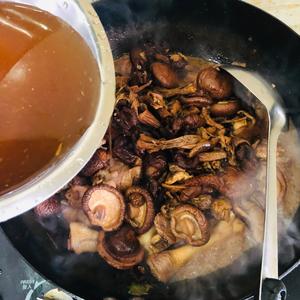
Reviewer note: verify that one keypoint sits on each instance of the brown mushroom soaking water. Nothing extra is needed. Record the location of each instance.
(49, 87)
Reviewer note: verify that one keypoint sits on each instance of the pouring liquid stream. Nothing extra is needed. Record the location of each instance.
(49, 88)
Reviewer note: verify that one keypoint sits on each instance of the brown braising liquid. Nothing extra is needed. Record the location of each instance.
(49, 88)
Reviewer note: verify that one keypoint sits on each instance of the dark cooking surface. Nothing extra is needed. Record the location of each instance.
(18, 279)
(225, 31)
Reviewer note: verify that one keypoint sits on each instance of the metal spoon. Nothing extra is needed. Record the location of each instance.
(271, 287)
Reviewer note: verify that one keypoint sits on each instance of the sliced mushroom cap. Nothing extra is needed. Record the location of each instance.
(217, 83)
(163, 228)
(140, 212)
(121, 249)
(105, 207)
(190, 225)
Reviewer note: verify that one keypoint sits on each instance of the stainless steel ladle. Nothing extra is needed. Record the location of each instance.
(271, 288)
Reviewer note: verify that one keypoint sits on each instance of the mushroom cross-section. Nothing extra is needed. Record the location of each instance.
(121, 249)
(140, 211)
(190, 225)
(105, 207)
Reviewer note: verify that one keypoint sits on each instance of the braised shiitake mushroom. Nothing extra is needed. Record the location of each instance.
(216, 82)
(163, 228)
(48, 208)
(121, 248)
(190, 225)
(164, 75)
(191, 121)
(140, 210)
(197, 101)
(225, 108)
(105, 207)
(234, 183)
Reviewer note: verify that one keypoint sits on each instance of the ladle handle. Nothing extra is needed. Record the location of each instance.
(273, 289)
(269, 268)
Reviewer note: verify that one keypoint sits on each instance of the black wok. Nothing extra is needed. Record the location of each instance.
(224, 31)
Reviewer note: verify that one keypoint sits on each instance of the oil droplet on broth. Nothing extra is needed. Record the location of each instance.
(43, 91)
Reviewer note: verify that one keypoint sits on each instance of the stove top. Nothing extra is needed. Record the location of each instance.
(18, 280)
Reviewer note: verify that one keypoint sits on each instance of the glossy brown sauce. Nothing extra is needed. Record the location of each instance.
(49, 88)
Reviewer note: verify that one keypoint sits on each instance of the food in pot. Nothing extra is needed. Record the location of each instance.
(49, 207)
(121, 248)
(82, 238)
(104, 205)
(179, 179)
(140, 210)
(189, 224)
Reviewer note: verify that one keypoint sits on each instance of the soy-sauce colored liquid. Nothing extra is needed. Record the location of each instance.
(49, 88)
